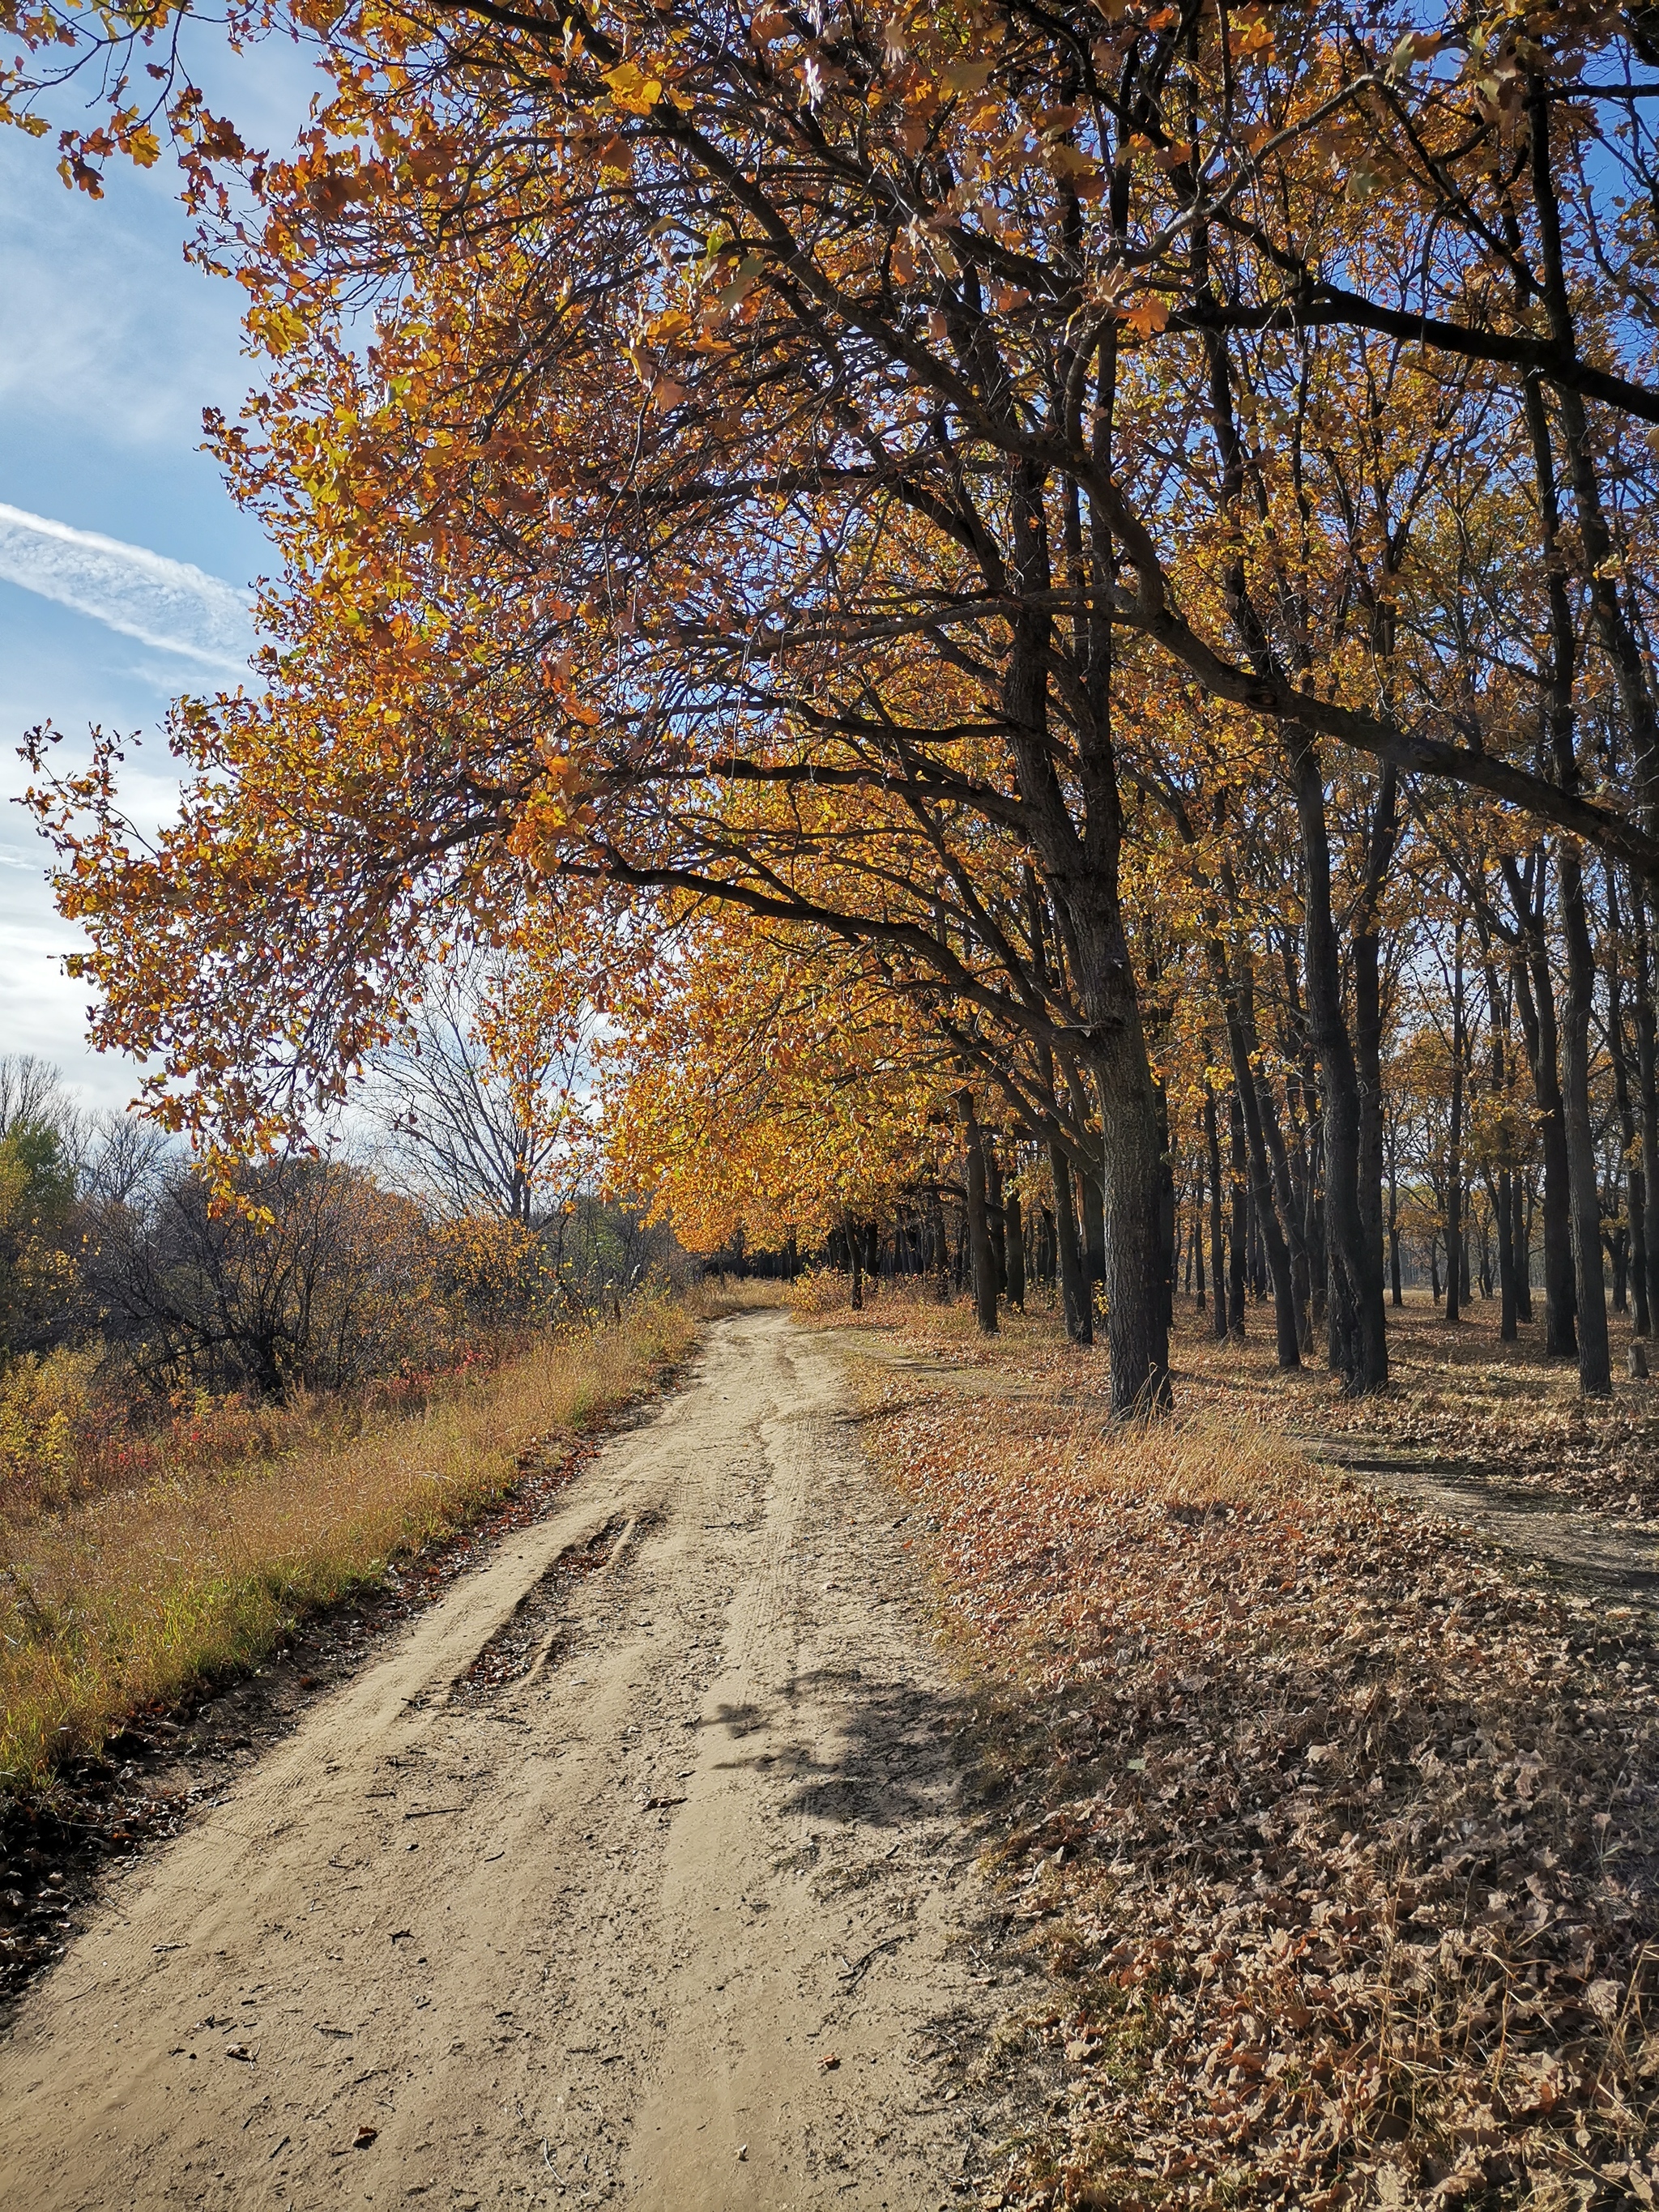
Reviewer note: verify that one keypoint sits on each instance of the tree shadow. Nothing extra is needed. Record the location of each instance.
(894, 1760)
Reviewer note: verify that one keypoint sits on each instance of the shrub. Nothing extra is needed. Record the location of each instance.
(49, 1409)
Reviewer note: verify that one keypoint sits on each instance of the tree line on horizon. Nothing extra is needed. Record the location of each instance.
(123, 1271)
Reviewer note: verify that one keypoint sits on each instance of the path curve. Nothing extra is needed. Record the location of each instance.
(1589, 1552)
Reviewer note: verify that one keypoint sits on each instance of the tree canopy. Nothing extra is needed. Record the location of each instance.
(1047, 556)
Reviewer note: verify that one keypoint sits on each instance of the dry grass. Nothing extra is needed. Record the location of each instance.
(712, 1300)
(130, 1598)
(1342, 1843)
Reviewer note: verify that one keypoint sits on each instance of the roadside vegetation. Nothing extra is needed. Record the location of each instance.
(224, 1407)
(1010, 649)
(1338, 1836)
(135, 1596)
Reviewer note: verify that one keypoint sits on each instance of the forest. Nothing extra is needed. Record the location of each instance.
(1050, 602)
(998, 658)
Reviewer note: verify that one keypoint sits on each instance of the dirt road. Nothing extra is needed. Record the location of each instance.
(633, 1870)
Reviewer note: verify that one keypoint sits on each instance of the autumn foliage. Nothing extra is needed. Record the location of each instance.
(1021, 640)
(1091, 534)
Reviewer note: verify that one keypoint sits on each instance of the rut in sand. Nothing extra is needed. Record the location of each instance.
(635, 1870)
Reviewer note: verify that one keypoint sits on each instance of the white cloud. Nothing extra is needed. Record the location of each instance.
(168, 604)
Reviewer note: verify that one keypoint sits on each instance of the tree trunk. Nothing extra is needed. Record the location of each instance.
(1014, 1244)
(1595, 1357)
(1455, 1269)
(1359, 1325)
(981, 1259)
(1218, 1240)
(1094, 1222)
(1137, 1270)
(1239, 1237)
(1522, 1242)
(1197, 1247)
(1498, 1184)
(1276, 1252)
(1081, 866)
(1534, 998)
(855, 1260)
(1630, 1271)
(1503, 1208)
(995, 1221)
(1396, 1293)
(1368, 1023)
(1647, 1085)
(1073, 1281)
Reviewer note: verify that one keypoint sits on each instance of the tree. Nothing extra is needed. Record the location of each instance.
(764, 410)
(489, 1101)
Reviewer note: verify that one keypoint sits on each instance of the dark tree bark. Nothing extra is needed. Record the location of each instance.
(1239, 1236)
(1081, 868)
(1455, 1270)
(1075, 1291)
(1594, 1358)
(1217, 1239)
(980, 1259)
(1241, 1041)
(942, 1287)
(855, 1261)
(1198, 1236)
(1647, 1087)
(1382, 846)
(1521, 1239)
(995, 1220)
(1359, 1329)
(1094, 1222)
(1535, 1000)
(1014, 1244)
(1076, 1297)
(1499, 1182)
(1631, 1265)
(1396, 1291)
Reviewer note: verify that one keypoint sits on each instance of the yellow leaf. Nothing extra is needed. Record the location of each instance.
(634, 91)
(965, 76)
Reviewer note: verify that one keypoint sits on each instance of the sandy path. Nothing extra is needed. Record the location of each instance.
(1589, 1552)
(594, 1932)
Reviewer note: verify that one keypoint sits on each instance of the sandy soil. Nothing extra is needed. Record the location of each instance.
(633, 1870)
(1590, 1553)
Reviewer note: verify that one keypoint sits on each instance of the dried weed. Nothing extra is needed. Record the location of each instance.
(127, 1601)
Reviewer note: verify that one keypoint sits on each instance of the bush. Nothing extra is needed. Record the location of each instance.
(50, 1409)
(818, 1292)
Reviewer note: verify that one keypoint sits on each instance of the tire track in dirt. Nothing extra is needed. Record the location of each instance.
(577, 1891)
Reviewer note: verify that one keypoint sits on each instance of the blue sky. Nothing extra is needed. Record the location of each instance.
(110, 348)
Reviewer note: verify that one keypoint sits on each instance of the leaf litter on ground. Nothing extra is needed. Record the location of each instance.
(1340, 1842)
